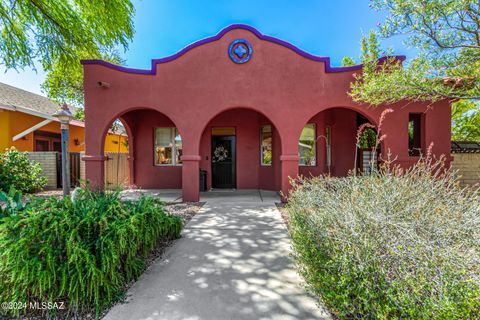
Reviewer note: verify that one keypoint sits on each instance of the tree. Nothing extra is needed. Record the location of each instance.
(59, 33)
(65, 81)
(465, 121)
(348, 61)
(447, 34)
(79, 114)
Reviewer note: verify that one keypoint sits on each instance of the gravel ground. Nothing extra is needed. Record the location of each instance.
(49, 193)
(185, 210)
(284, 212)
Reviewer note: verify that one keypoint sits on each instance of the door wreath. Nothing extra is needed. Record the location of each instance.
(220, 154)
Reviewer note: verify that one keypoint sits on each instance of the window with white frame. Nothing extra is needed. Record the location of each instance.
(307, 150)
(168, 147)
(266, 145)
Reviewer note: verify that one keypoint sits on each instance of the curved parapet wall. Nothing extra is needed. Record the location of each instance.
(326, 60)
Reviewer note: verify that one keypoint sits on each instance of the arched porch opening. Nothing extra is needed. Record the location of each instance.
(117, 156)
(154, 150)
(328, 143)
(240, 148)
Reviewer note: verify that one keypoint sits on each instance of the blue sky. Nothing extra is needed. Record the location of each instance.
(323, 27)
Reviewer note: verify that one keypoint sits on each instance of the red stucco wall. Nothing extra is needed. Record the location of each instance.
(286, 86)
(147, 174)
(250, 174)
(343, 134)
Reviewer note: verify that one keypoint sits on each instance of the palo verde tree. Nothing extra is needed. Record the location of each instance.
(465, 112)
(466, 121)
(58, 33)
(447, 33)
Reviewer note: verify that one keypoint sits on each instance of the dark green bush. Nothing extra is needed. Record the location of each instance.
(82, 252)
(391, 245)
(19, 172)
(10, 203)
(367, 139)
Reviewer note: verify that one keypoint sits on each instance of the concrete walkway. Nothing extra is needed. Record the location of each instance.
(231, 263)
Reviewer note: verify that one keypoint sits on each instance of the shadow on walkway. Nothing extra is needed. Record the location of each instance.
(233, 262)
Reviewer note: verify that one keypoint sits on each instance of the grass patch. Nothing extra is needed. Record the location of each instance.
(82, 252)
(390, 245)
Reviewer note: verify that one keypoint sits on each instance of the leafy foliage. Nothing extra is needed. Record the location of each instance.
(65, 81)
(446, 32)
(348, 61)
(19, 172)
(390, 245)
(466, 121)
(10, 203)
(82, 251)
(57, 30)
(59, 33)
(367, 139)
(79, 114)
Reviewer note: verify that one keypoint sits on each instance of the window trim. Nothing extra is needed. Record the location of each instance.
(174, 148)
(314, 145)
(418, 128)
(261, 150)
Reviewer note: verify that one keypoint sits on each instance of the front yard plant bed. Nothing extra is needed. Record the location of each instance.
(390, 245)
(82, 252)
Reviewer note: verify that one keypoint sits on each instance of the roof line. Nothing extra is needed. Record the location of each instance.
(26, 91)
(39, 114)
(26, 110)
(154, 62)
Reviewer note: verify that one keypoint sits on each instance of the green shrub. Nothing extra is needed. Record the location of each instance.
(18, 171)
(81, 252)
(10, 203)
(390, 245)
(367, 139)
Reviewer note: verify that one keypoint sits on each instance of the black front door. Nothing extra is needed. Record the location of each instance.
(223, 162)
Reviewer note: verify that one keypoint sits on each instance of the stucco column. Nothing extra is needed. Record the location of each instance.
(95, 170)
(289, 166)
(190, 178)
(395, 143)
(131, 161)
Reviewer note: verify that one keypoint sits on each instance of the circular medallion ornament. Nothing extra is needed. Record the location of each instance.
(240, 51)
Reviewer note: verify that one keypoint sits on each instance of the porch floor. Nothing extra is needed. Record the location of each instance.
(175, 195)
(166, 195)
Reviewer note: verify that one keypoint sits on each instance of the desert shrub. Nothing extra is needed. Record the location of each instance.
(390, 245)
(19, 172)
(82, 252)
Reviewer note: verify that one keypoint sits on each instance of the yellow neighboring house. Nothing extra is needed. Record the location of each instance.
(26, 123)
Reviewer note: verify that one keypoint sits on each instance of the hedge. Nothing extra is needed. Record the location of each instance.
(82, 252)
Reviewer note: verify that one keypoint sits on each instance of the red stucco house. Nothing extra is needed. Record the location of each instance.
(249, 109)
